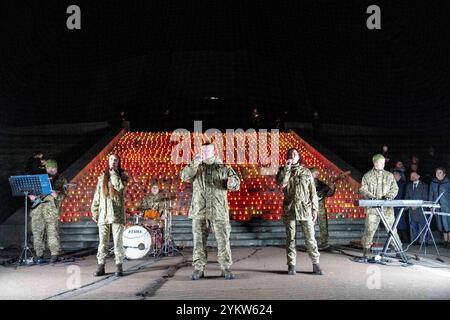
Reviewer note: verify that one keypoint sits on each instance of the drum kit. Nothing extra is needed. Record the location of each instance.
(150, 233)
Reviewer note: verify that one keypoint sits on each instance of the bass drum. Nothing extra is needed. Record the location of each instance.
(137, 242)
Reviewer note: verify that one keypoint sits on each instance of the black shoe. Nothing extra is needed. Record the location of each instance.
(100, 270)
(54, 259)
(362, 259)
(227, 274)
(197, 274)
(316, 269)
(291, 270)
(119, 271)
(39, 260)
(326, 247)
(365, 257)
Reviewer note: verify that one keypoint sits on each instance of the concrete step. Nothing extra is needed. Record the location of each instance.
(77, 245)
(240, 230)
(234, 236)
(254, 242)
(84, 234)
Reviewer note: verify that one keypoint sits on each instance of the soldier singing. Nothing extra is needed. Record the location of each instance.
(109, 214)
(300, 204)
(211, 181)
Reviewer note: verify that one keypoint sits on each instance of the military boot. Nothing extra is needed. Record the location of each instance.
(119, 271)
(227, 274)
(316, 269)
(54, 259)
(364, 258)
(100, 270)
(39, 259)
(197, 274)
(366, 253)
(291, 270)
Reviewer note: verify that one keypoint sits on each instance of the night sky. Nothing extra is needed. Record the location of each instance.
(157, 59)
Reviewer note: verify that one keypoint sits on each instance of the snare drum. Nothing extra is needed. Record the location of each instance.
(151, 214)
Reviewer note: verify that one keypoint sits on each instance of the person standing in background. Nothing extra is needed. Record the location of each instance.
(441, 184)
(416, 190)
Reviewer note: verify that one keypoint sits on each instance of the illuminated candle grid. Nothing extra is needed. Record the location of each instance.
(146, 157)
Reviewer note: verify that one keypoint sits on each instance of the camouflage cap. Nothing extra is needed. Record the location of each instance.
(377, 157)
(51, 164)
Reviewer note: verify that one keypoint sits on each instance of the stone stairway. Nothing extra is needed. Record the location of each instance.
(84, 234)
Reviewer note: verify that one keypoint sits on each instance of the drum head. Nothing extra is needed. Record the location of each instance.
(137, 242)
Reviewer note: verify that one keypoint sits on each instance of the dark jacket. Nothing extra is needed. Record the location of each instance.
(323, 190)
(34, 166)
(419, 193)
(436, 188)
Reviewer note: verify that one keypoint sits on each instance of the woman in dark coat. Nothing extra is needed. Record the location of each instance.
(441, 183)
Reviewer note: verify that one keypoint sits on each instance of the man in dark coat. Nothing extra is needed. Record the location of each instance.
(416, 190)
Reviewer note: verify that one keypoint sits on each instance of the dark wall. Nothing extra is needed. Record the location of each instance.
(159, 60)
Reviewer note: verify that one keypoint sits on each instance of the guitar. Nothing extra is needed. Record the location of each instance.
(41, 198)
(325, 188)
(341, 176)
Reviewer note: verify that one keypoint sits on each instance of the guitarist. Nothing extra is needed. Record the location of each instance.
(323, 190)
(45, 216)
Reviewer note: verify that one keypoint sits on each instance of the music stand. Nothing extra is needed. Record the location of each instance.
(25, 185)
(428, 220)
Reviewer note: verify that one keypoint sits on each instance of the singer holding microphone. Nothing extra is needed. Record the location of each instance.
(300, 204)
(109, 214)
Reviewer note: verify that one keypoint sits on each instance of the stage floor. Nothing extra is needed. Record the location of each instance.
(260, 274)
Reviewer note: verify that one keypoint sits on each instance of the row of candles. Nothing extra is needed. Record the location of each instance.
(146, 159)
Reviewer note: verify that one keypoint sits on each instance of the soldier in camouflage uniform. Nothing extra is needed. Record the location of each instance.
(377, 184)
(300, 204)
(323, 190)
(45, 217)
(152, 201)
(211, 181)
(109, 214)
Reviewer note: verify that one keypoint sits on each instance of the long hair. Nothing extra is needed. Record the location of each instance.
(107, 189)
(289, 155)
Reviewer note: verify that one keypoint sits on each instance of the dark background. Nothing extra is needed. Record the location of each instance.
(160, 61)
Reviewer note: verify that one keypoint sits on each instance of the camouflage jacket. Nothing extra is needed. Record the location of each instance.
(378, 184)
(151, 202)
(300, 196)
(51, 205)
(209, 189)
(106, 210)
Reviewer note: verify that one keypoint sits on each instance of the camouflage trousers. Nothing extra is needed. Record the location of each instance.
(371, 226)
(310, 242)
(104, 231)
(200, 231)
(323, 224)
(42, 223)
